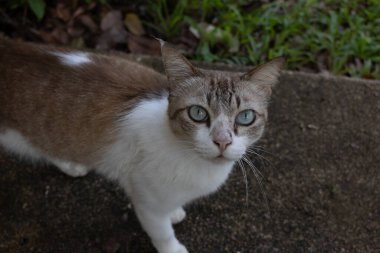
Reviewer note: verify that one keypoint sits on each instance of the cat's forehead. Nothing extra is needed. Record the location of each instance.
(226, 92)
(221, 92)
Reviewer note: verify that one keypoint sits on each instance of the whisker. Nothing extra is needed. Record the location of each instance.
(252, 150)
(258, 178)
(261, 157)
(246, 159)
(260, 148)
(245, 181)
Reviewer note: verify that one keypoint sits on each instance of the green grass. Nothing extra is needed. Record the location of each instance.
(341, 36)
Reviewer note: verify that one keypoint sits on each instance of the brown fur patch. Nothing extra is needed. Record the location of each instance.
(69, 112)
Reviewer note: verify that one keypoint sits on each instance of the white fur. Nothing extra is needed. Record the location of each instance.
(177, 215)
(70, 168)
(73, 59)
(159, 172)
(15, 142)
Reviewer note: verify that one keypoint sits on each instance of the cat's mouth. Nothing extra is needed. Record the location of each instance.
(221, 158)
(218, 157)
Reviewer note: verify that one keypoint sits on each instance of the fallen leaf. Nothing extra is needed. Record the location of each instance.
(63, 12)
(75, 31)
(88, 22)
(78, 43)
(110, 20)
(133, 23)
(113, 31)
(60, 36)
(57, 36)
(143, 45)
(79, 11)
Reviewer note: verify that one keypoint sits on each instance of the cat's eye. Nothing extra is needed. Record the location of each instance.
(198, 113)
(245, 118)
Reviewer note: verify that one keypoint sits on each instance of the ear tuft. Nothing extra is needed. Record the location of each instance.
(265, 75)
(177, 67)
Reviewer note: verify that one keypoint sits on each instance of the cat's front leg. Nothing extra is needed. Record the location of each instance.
(177, 215)
(70, 168)
(160, 230)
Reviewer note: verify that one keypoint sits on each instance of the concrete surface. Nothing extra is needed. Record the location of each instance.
(321, 184)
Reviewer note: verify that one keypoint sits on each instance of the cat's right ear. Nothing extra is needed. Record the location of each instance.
(177, 67)
(265, 75)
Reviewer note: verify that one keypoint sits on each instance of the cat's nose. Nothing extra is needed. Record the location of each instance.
(222, 139)
(222, 144)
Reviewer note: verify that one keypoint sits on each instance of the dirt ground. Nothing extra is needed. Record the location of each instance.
(321, 185)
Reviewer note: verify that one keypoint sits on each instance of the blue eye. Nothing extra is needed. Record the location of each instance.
(245, 118)
(198, 113)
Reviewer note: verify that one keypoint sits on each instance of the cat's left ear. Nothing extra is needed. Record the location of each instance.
(266, 75)
(177, 67)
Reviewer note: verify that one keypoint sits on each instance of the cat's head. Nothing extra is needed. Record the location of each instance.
(218, 114)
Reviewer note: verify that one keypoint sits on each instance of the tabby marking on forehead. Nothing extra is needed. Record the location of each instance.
(73, 59)
(223, 90)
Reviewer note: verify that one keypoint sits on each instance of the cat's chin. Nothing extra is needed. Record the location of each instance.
(221, 159)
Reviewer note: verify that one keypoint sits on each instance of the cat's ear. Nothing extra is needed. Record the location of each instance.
(177, 67)
(266, 75)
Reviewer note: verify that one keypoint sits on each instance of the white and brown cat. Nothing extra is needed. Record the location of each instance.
(166, 139)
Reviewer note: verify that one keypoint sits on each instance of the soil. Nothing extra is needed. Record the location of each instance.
(321, 185)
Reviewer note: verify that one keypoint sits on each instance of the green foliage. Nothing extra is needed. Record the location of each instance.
(167, 19)
(38, 7)
(94, 1)
(343, 36)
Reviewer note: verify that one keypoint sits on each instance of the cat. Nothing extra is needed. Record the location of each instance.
(167, 139)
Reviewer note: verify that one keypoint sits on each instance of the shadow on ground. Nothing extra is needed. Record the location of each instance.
(321, 182)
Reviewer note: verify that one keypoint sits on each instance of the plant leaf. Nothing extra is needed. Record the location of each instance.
(38, 8)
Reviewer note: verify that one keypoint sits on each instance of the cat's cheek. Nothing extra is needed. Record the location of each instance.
(204, 144)
(182, 128)
(237, 149)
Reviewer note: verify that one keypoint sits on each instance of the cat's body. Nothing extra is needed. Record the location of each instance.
(85, 112)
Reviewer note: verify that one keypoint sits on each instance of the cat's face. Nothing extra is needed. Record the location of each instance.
(218, 114)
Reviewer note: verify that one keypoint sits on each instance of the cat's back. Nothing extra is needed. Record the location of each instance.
(66, 101)
(33, 66)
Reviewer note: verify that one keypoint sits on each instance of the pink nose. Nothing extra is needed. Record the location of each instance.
(222, 139)
(222, 144)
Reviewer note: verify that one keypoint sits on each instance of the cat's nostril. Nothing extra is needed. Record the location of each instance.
(222, 144)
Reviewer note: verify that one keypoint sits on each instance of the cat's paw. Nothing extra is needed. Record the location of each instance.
(182, 249)
(177, 215)
(71, 169)
(170, 246)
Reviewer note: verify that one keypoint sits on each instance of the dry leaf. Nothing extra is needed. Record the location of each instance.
(110, 20)
(78, 43)
(57, 36)
(142, 45)
(63, 12)
(75, 31)
(133, 23)
(60, 36)
(88, 22)
(79, 12)
(113, 30)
